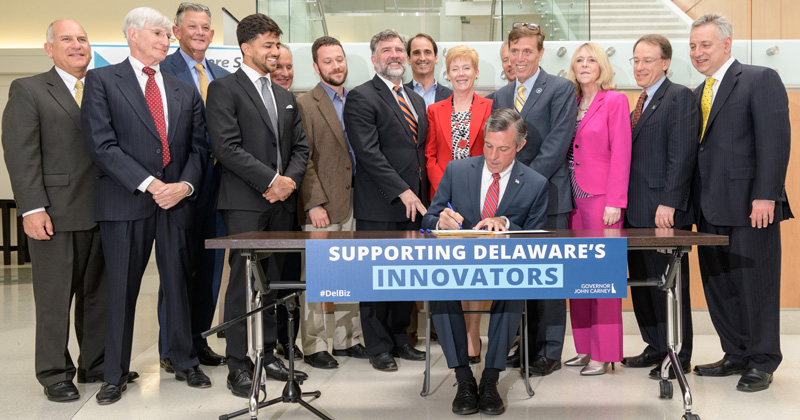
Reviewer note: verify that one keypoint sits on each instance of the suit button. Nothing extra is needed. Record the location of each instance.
(158, 173)
(347, 187)
(158, 151)
(702, 148)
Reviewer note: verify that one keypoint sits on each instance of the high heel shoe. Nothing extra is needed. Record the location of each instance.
(590, 370)
(474, 360)
(579, 360)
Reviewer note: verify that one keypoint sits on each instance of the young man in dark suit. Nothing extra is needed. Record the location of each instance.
(739, 191)
(257, 134)
(144, 130)
(666, 128)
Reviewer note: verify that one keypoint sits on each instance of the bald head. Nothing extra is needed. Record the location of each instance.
(68, 45)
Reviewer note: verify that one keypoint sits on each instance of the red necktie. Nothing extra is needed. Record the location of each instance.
(153, 97)
(492, 198)
(637, 112)
(412, 122)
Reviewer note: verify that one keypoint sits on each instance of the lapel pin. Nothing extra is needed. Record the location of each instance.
(516, 181)
(538, 91)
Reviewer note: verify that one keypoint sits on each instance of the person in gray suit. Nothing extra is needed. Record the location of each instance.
(666, 128)
(193, 31)
(423, 55)
(548, 106)
(55, 196)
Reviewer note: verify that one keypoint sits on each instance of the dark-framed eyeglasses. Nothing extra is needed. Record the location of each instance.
(532, 26)
(194, 6)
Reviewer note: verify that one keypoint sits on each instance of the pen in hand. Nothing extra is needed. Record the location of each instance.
(451, 208)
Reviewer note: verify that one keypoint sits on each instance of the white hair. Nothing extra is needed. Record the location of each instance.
(724, 26)
(49, 34)
(142, 17)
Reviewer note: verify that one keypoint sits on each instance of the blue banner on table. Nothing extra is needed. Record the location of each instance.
(465, 269)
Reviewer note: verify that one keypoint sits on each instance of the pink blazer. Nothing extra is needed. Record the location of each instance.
(602, 148)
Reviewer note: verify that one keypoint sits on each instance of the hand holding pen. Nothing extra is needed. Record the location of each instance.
(449, 219)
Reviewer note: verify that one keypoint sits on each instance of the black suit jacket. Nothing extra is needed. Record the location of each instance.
(524, 200)
(388, 160)
(744, 154)
(663, 156)
(442, 92)
(44, 152)
(123, 142)
(245, 144)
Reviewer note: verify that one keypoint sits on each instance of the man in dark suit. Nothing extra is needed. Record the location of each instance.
(55, 196)
(193, 31)
(739, 191)
(257, 134)
(666, 128)
(423, 55)
(386, 126)
(547, 104)
(144, 130)
(483, 190)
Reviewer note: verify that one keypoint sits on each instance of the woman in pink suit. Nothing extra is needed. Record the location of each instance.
(455, 131)
(599, 162)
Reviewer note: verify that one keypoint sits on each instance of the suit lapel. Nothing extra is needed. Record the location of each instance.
(474, 190)
(127, 82)
(255, 96)
(534, 94)
(329, 114)
(597, 103)
(515, 182)
(62, 95)
(655, 101)
(728, 83)
(281, 104)
(388, 96)
(174, 100)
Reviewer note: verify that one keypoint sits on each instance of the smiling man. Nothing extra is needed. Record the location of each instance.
(547, 104)
(283, 75)
(423, 55)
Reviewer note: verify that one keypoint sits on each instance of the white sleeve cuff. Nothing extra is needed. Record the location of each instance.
(33, 211)
(146, 183)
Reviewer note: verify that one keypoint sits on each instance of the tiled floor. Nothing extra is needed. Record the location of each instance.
(356, 391)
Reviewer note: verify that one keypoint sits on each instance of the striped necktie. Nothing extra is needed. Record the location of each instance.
(705, 103)
(519, 100)
(412, 122)
(492, 198)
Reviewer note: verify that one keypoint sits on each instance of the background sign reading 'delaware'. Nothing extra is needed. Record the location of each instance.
(465, 269)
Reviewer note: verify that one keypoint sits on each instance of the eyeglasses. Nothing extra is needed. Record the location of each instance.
(647, 62)
(194, 6)
(532, 26)
(160, 33)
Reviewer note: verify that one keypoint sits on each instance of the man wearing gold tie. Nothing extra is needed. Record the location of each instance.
(53, 180)
(739, 190)
(193, 31)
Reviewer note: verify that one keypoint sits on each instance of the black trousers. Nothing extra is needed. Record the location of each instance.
(742, 283)
(384, 324)
(69, 265)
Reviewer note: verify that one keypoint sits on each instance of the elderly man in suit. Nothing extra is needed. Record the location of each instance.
(483, 195)
(326, 196)
(739, 190)
(193, 30)
(666, 128)
(508, 70)
(386, 126)
(257, 134)
(144, 130)
(423, 55)
(547, 104)
(41, 125)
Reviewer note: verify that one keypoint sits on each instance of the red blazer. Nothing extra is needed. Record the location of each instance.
(602, 148)
(439, 146)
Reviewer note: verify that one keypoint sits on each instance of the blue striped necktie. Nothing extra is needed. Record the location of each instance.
(412, 122)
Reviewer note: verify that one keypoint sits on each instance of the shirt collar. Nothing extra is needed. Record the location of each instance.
(390, 84)
(528, 83)
(138, 66)
(332, 93)
(653, 89)
(190, 61)
(720, 73)
(417, 84)
(68, 79)
(253, 75)
(503, 174)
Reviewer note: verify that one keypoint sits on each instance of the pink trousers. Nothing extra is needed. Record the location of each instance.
(596, 323)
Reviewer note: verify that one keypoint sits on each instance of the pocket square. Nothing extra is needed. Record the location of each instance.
(289, 106)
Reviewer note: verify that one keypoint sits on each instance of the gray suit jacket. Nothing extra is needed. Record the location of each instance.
(44, 152)
(549, 112)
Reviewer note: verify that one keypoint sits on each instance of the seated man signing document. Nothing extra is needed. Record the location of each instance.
(498, 193)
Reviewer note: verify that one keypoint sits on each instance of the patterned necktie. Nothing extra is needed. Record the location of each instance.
(266, 94)
(637, 112)
(203, 81)
(153, 97)
(705, 103)
(492, 198)
(412, 122)
(519, 100)
(79, 92)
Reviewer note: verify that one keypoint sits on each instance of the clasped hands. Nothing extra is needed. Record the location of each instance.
(450, 220)
(168, 195)
(282, 187)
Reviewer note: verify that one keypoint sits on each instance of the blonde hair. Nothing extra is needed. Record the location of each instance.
(461, 51)
(606, 79)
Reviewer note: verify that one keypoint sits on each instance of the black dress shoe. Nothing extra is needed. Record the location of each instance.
(754, 380)
(357, 351)
(110, 394)
(409, 353)
(489, 399)
(62, 391)
(194, 377)
(166, 365)
(466, 400)
(721, 368)
(240, 381)
(84, 378)
(513, 360)
(655, 373)
(646, 359)
(543, 366)
(321, 360)
(208, 357)
(384, 362)
(278, 371)
(283, 351)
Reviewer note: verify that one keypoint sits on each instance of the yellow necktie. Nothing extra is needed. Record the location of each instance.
(79, 92)
(705, 103)
(203, 81)
(519, 100)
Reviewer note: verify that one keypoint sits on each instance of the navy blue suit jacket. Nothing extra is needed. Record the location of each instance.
(524, 201)
(123, 142)
(175, 65)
